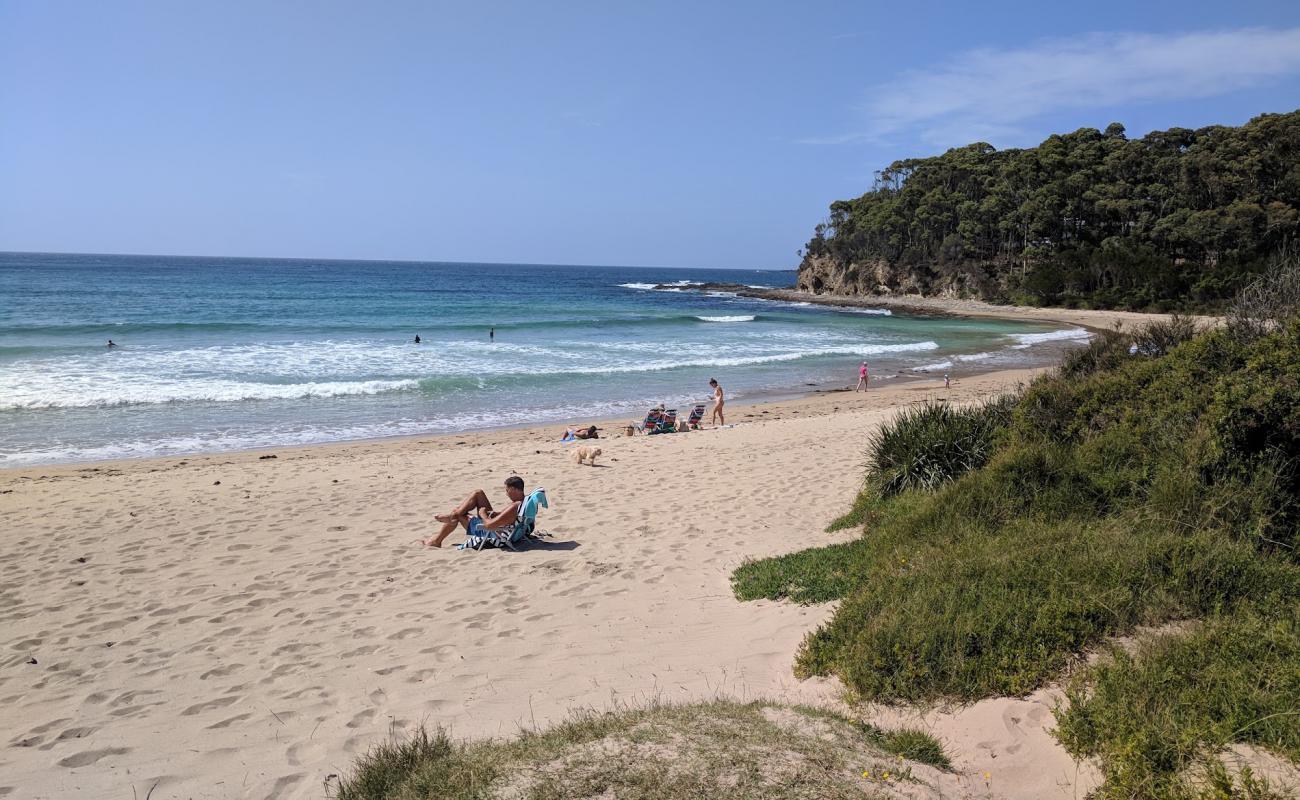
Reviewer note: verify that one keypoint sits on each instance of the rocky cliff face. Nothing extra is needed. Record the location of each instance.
(826, 275)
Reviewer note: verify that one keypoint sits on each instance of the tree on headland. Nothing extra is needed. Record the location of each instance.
(1179, 218)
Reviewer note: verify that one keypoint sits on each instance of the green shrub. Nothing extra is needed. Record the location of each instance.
(1151, 714)
(1000, 613)
(1106, 350)
(927, 445)
(1123, 490)
(1161, 337)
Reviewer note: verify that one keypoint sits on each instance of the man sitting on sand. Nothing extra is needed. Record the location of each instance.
(476, 513)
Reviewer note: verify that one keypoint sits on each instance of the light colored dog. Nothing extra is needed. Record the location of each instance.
(587, 454)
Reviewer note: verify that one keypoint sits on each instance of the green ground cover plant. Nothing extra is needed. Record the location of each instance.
(1151, 479)
(1233, 679)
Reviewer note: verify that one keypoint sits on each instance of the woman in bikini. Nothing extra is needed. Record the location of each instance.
(716, 418)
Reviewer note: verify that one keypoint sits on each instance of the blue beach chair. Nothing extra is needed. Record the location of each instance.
(507, 538)
(667, 422)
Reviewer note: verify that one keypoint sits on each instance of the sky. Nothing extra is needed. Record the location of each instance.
(617, 133)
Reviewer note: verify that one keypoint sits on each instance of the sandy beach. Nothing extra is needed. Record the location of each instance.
(243, 625)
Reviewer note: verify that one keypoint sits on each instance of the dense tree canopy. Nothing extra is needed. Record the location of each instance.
(1178, 218)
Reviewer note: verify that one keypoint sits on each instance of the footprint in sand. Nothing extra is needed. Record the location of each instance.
(199, 708)
(361, 718)
(225, 723)
(91, 756)
(421, 676)
(282, 784)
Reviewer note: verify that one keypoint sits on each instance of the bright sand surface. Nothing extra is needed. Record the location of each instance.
(240, 626)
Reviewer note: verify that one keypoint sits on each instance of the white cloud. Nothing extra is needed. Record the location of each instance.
(987, 93)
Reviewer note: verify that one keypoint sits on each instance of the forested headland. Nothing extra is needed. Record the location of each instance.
(1178, 219)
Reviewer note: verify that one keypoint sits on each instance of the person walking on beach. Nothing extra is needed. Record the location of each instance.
(475, 512)
(862, 378)
(716, 418)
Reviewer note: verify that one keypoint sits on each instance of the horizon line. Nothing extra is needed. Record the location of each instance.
(389, 261)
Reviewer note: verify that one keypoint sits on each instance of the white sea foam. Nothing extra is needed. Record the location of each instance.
(671, 286)
(875, 312)
(734, 318)
(932, 367)
(269, 372)
(756, 358)
(83, 392)
(975, 357)
(1051, 336)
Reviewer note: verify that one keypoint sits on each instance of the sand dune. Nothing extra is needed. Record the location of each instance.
(241, 626)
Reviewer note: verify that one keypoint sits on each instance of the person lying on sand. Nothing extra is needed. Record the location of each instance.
(586, 433)
(476, 512)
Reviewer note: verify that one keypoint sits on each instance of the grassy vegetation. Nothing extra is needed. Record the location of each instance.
(717, 750)
(1148, 714)
(1152, 478)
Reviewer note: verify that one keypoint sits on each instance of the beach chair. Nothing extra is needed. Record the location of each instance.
(650, 422)
(696, 417)
(667, 422)
(525, 526)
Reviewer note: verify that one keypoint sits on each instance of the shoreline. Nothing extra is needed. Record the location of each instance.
(1093, 321)
(610, 422)
(814, 400)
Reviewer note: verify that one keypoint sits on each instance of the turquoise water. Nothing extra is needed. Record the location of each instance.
(221, 354)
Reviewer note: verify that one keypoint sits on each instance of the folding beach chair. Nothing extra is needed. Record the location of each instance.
(667, 422)
(650, 422)
(696, 417)
(510, 538)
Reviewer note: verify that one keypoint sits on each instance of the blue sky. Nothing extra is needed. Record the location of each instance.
(672, 134)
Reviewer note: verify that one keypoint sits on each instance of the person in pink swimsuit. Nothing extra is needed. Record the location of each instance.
(863, 378)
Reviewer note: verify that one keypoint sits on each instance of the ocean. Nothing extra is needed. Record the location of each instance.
(218, 354)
